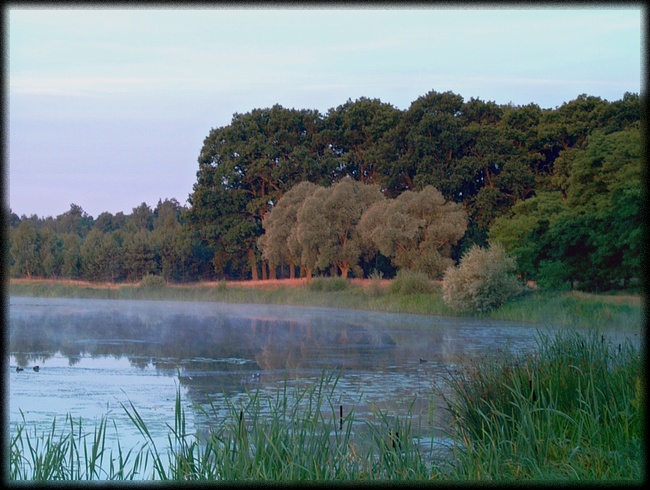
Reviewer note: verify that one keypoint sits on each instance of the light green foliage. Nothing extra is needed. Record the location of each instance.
(328, 284)
(152, 281)
(280, 244)
(484, 279)
(416, 230)
(327, 224)
(411, 282)
(520, 231)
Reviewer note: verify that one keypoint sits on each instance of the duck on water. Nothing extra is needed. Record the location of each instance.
(35, 369)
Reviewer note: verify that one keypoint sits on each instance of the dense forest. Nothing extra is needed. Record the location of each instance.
(370, 189)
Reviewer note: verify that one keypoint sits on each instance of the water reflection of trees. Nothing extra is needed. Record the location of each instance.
(215, 352)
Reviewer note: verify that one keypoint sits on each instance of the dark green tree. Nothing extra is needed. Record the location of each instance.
(524, 233)
(105, 222)
(138, 255)
(420, 149)
(167, 211)
(75, 220)
(492, 173)
(172, 245)
(353, 130)
(13, 220)
(101, 256)
(141, 218)
(71, 256)
(605, 187)
(25, 250)
(590, 230)
(50, 252)
(243, 169)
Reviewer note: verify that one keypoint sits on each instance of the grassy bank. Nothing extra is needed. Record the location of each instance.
(551, 308)
(572, 411)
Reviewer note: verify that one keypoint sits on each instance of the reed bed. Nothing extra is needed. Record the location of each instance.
(572, 410)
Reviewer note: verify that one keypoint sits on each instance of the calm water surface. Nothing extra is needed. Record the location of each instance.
(95, 355)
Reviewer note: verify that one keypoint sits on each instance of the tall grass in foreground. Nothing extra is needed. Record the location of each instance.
(72, 454)
(296, 436)
(571, 410)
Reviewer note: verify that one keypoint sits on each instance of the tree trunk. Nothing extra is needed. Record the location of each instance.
(264, 271)
(292, 271)
(253, 263)
(272, 271)
(344, 270)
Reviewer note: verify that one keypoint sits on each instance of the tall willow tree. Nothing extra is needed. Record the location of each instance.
(280, 244)
(416, 230)
(327, 225)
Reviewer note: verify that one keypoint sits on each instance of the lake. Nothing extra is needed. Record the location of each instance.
(96, 355)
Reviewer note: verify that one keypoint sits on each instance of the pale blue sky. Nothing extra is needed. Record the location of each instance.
(108, 108)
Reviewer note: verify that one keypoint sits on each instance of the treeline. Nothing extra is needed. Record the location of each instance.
(110, 248)
(559, 188)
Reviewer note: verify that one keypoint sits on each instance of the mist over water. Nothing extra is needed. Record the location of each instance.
(95, 355)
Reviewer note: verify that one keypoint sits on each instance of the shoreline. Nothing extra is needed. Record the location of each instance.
(616, 297)
(619, 310)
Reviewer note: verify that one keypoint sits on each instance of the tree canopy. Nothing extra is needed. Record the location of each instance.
(590, 230)
(327, 225)
(416, 230)
(559, 188)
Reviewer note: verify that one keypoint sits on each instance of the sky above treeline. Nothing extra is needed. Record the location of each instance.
(109, 107)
